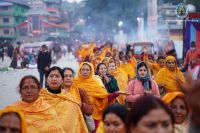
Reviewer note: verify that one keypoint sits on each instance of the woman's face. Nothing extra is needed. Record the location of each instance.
(85, 71)
(161, 62)
(171, 64)
(102, 70)
(111, 67)
(142, 71)
(10, 123)
(54, 80)
(156, 121)
(113, 124)
(179, 110)
(68, 78)
(130, 54)
(29, 91)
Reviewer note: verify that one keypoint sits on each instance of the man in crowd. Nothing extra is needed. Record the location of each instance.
(43, 63)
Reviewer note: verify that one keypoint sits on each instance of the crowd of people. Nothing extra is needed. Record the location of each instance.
(112, 92)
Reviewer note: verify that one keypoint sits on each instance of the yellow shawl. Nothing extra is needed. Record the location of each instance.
(169, 97)
(129, 69)
(122, 81)
(21, 115)
(68, 110)
(40, 117)
(168, 78)
(154, 67)
(75, 92)
(95, 90)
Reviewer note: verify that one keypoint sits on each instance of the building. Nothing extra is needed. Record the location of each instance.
(169, 26)
(43, 22)
(12, 13)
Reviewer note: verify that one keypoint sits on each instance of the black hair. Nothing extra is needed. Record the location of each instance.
(55, 68)
(143, 106)
(68, 68)
(98, 66)
(29, 77)
(116, 109)
(141, 64)
(160, 57)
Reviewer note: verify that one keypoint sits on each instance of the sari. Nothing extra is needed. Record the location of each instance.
(68, 110)
(168, 78)
(95, 90)
(21, 115)
(37, 114)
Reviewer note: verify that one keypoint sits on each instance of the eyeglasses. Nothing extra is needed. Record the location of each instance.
(68, 76)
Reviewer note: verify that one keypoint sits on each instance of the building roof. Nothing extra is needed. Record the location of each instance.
(20, 2)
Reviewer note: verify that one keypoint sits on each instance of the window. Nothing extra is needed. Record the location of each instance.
(5, 8)
(5, 20)
(6, 32)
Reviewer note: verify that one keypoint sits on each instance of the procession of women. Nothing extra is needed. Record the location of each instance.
(112, 91)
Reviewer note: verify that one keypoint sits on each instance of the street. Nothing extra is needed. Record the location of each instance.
(9, 80)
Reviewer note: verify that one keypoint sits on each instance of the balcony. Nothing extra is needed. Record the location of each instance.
(7, 25)
(6, 13)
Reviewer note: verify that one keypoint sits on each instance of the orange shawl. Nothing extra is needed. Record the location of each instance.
(95, 90)
(122, 80)
(68, 110)
(168, 78)
(40, 117)
(129, 69)
(169, 97)
(21, 115)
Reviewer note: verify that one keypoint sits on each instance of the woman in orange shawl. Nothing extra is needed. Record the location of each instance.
(121, 77)
(18, 122)
(94, 87)
(155, 66)
(40, 116)
(128, 68)
(180, 110)
(65, 105)
(166, 77)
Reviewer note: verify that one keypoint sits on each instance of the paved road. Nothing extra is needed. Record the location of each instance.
(9, 81)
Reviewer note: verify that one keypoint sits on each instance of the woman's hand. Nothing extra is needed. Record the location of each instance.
(107, 79)
(148, 92)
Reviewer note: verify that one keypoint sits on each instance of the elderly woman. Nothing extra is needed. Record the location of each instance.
(79, 93)
(180, 110)
(166, 77)
(35, 109)
(12, 119)
(65, 105)
(142, 85)
(94, 87)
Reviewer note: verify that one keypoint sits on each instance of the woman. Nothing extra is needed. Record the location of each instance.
(114, 117)
(166, 77)
(80, 94)
(94, 87)
(108, 80)
(35, 109)
(12, 119)
(127, 67)
(180, 110)
(150, 115)
(142, 85)
(66, 106)
(121, 77)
